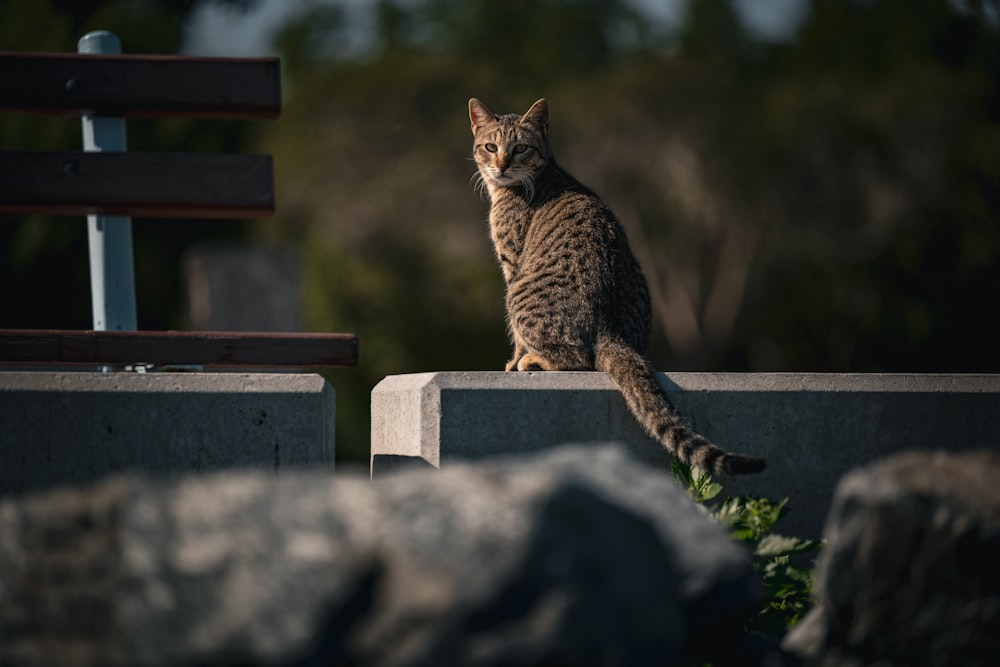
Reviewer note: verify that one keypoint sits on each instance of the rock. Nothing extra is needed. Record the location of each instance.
(575, 557)
(719, 588)
(713, 581)
(910, 572)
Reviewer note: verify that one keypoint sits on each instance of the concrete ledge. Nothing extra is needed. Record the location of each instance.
(811, 428)
(72, 427)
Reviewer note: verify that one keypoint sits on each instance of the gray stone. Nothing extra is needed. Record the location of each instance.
(811, 428)
(74, 427)
(718, 585)
(909, 575)
(578, 557)
(525, 564)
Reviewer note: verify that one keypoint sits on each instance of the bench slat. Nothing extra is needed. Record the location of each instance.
(139, 85)
(171, 185)
(306, 350)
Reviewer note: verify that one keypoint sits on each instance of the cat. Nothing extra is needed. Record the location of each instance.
(576, 298)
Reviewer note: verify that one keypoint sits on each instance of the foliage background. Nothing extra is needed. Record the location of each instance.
(828, 202)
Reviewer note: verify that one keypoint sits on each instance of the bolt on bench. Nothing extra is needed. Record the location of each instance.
(59, 426)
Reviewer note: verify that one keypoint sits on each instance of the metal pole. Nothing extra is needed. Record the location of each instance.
(112, 285)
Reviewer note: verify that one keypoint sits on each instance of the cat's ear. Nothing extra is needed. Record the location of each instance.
(479, 115)
(538, 115)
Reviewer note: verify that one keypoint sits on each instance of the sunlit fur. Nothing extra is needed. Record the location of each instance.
(576, 298)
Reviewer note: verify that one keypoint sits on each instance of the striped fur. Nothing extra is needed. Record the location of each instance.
(576, 297)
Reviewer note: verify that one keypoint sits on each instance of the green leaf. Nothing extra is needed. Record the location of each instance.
(750, 521)
(710, 490)
(682, 471)
(780, 545)
(698, 482)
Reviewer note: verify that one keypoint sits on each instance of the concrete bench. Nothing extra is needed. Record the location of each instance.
(811, 428)
(72, 428)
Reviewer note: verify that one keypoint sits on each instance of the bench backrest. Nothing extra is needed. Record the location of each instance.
(109, 184)
(173, 185)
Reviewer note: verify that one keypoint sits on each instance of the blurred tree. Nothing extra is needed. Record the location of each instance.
(878, 201)
(713, 34)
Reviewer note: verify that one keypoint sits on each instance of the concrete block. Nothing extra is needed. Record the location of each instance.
(811, 428)
(73, 427)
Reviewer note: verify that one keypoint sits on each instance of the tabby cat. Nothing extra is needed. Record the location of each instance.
(576, 297)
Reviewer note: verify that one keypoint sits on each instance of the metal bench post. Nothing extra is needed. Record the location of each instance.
(112, 284)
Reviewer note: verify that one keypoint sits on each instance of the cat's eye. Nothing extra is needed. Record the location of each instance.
(520, 148)
(492, 148)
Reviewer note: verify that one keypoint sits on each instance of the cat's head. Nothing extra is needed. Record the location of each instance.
(510, 150)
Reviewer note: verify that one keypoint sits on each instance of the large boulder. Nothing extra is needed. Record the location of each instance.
(911, 571)
(575, 557)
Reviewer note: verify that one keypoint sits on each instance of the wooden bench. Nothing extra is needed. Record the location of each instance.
(105, 182)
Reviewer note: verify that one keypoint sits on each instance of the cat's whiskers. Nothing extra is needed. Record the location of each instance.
(478, 184)
(528, 183)
(507, 178)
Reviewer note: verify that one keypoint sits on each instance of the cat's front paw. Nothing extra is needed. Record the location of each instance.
(511, 365)
(531, 362)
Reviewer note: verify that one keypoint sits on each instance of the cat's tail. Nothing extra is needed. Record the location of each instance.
(646, 400)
